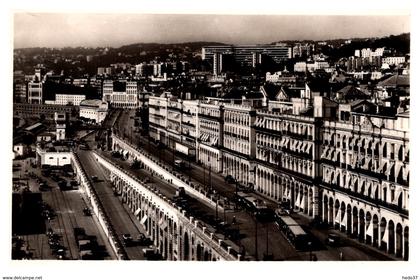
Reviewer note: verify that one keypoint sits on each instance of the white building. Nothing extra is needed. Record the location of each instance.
(60, 125)
(376, 75)
(393, 60)
(272, 77)
(300, 67)
(66, 99)
(95, 110)
(57, 156)
(35, 88)
(121, 94)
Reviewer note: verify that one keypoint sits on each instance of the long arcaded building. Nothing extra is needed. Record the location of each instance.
(346, 164)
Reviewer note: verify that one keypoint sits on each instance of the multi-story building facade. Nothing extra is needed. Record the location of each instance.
(173, 121)
(247, 54)
(365, 175)
(35, 92)
(333, 162)
(210, 135)
(393, 60)
(158, 107)
(286, 155)
(69, 99)
(121, 94)
(44, 111)
(95, 110)
(239, 142)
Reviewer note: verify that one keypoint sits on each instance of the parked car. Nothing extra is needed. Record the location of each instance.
(333, 240)
(127, 239)
(87, 211)
(229, 179)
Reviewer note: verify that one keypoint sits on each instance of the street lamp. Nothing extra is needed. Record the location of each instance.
(209, 172)
(310, 250)
(256, 238)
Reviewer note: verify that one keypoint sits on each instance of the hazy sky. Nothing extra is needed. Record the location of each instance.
(91, 30)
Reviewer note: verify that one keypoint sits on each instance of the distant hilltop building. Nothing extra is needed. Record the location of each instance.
(248, 54)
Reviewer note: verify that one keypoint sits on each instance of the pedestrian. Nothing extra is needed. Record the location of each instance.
(234, 220)
(341, 256)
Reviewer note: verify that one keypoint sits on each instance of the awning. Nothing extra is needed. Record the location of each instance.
(302, 204)
(381, 166)
(369, 230)
(324, 152)
(143, 220)
(406, 171)
(374, 187)
(397, 195)
(308, 148)
(293, 145)
(388, 170)
(353, 141)
(334, 155)
(137, 212)
(360, 142)
(398, 170)
(287, 142)
(367, 142)
(282, 142)
(354, 160)
(367, 161)
(344, 221)
(385, 237)
(338, 217)
(297, 202)
(330, 153)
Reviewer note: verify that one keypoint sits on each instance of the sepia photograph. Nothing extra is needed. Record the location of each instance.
(275, 138)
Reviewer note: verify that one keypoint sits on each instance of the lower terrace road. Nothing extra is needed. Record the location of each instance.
(121, 219)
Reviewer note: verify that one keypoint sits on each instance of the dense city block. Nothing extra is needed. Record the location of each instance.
(205, 151)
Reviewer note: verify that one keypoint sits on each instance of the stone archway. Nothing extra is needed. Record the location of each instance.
(206, 255)
(199, 252)
(186, 247)
(325, 209)
(398, 240)
(375, 224)
(383, 234)
(406, 243)
(343, 217)
(331, 211)
(391, 237)
(349, 219)
(337, 215)
(362, 225)
(369, 228)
